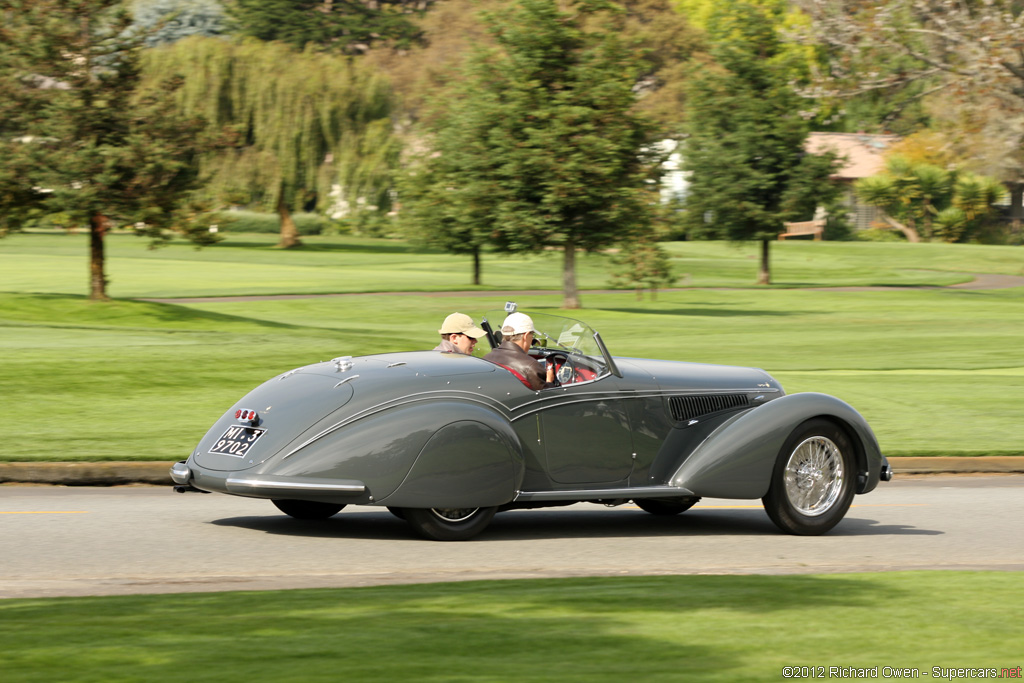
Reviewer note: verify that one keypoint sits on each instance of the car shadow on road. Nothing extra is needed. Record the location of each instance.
(561, 523)
(872, 527)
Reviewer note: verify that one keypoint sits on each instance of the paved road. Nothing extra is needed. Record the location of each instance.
(97, 541)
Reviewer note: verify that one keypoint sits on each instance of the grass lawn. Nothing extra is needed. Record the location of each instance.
(249, 264)
(143, 381)
(693, 628)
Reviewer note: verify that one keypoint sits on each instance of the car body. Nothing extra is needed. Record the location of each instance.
(445, 440)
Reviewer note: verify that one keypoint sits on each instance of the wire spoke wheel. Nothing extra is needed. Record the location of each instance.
(814, 476)
(448, 524)
(812, 483)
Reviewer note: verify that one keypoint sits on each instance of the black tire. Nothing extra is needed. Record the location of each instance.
(449, 524)
(813, 480)
(664, 507)
(307, 509)
(397, 512)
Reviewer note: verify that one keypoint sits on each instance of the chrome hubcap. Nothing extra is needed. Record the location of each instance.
(814, 476)
(454, 515)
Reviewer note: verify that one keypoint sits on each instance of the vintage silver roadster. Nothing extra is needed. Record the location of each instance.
(446, 440)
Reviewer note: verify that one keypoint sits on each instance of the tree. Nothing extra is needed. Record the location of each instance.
(642, 264)
(920, 197)
(966, 53)
(306, 124)
(745, 153)
(454, 218)
(539, 146)
(83, 137)
(349, 26)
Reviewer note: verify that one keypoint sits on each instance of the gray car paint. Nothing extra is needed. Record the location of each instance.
(431, 429)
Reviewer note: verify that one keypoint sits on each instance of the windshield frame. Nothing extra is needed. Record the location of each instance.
(556, 333)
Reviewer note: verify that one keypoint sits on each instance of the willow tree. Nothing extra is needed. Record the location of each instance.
(303, 124)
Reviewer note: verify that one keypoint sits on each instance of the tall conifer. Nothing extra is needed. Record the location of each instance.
(540, 146)
(78, 133)
(749, 172)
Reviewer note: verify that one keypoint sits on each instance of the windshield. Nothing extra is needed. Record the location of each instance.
(555, 333)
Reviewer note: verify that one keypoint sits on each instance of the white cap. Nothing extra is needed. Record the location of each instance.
(517, 323)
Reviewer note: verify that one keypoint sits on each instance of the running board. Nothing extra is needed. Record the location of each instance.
(630, 492)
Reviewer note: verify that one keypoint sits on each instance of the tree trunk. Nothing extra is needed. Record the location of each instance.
(1016, 207)
(289, 231)
(928, 231)
(764, 275)
(97, 276)
(570, 295)
(907, 231)
(476, 265)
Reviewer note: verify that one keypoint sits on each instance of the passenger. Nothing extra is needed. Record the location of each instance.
(458, 334)
(516, 338)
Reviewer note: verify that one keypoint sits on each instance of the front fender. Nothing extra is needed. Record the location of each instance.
(736, 460)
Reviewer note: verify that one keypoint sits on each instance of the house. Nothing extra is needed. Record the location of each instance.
(864, 156)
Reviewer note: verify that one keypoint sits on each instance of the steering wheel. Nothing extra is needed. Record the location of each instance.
(565, 373)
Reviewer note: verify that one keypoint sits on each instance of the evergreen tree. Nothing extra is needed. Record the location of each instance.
(745, 153)
(306, 123)
(539, 146)
(642, 264)
(349, 26)
(79, 133)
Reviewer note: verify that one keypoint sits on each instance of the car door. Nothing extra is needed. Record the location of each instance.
(585, 435)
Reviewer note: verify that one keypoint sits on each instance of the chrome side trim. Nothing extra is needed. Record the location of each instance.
(247, 484)
(528, 408)
(630, 492)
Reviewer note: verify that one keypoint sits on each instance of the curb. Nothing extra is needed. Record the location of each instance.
(86, 473)
(158, 473)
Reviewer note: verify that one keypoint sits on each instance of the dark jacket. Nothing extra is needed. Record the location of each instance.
(511, 356)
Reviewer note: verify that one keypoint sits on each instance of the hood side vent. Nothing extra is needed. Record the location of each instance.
(685, 408)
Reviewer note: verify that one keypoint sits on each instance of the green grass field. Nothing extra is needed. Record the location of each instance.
(248, 264)
(935, 371)
(137, 380)
(679, 628)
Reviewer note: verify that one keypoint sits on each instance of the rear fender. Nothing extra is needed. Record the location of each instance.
(736, 460)
(453, 444)
(469, 463)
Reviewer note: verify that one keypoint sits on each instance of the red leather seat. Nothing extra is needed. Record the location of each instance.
(515, 372)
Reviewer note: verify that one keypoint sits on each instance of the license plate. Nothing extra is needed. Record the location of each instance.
(237, 441)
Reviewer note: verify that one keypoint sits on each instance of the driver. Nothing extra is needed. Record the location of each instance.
(458, 334)
(516, 338)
